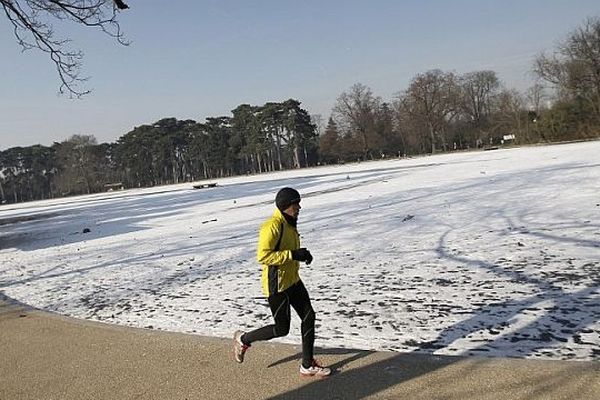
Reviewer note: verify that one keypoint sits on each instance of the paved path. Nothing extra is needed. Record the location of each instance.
(45, 356)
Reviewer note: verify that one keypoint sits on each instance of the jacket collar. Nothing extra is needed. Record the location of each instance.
(281, 216)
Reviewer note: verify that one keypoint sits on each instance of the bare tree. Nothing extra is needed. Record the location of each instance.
(432, 100)
(354, 112)
(536, 95)
(479, 92)
(510, 115)
(479, 89)
(32, 29)
(574, 68)
(319, 122)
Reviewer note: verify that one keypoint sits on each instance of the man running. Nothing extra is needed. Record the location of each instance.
(280, 254)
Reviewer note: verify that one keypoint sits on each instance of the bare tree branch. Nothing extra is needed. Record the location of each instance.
(32, 30)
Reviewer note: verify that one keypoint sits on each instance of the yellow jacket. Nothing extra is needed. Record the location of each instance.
(279, 270)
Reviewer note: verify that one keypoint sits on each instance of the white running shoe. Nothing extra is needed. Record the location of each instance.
(239, 348)
(315, 370)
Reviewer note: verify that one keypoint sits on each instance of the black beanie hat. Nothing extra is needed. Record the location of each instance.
(286, 197)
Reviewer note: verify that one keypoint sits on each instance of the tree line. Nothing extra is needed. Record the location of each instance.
(255, 139)
(438, 111)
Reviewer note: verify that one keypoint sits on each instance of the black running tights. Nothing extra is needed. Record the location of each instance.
(297, 297)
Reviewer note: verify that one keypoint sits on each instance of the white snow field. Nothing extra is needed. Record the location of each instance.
(492, 253)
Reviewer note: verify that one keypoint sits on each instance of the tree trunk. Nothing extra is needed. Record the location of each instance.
(432, 137)
(174, 173)
(259, 162)
(296, 160)
(278, 149)
(403, 143)
(272, 160)
(305, 156)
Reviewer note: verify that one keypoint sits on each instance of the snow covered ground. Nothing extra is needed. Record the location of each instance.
(490, 253)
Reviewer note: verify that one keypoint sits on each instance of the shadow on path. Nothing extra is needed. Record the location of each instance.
(366, 374)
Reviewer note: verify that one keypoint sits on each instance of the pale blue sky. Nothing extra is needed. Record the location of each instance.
(196, 59)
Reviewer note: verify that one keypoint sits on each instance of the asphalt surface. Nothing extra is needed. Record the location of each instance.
(46, 356)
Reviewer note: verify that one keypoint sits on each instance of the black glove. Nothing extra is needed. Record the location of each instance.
(302, 255)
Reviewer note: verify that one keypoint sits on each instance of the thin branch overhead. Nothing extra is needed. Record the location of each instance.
(33, 29)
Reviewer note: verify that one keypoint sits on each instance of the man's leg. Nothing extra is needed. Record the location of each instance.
(300, 300)
(280, 308)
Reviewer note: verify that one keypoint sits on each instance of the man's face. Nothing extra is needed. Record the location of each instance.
(293, 210)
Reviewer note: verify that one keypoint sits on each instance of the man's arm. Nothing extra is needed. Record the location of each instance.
(267, 241)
